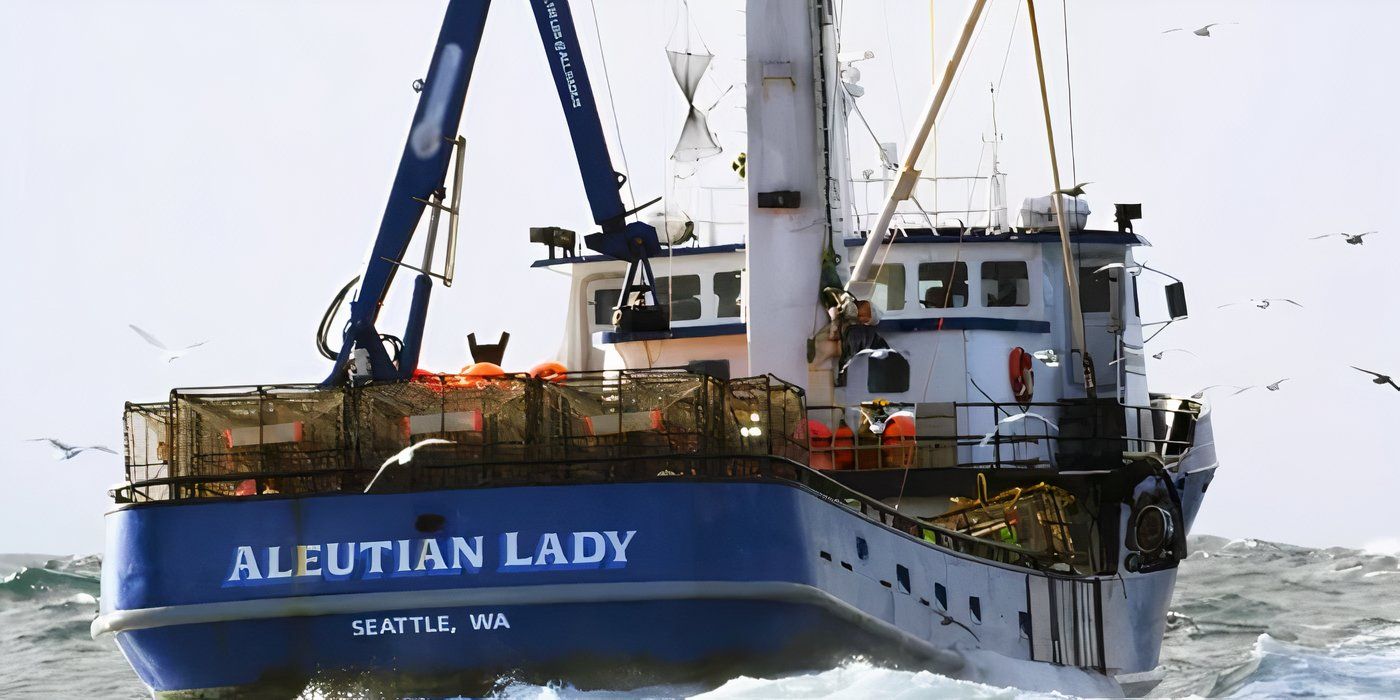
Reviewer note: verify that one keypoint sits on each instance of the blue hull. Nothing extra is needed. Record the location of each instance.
(713, 579)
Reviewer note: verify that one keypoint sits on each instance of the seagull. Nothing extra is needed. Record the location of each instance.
(874, 353)
(170, 355)
(405, 456)
(1203, 31)
(1012, 419)
(1077, 191)
(1260, 303)
(1379, 378)
(1274, 386)
(65, 451)
(1238, 390)
(1158, 355)
(1133, 270)
(1351, 238)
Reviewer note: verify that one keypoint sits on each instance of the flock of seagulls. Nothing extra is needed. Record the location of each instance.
(64, 451)
(1265, 303)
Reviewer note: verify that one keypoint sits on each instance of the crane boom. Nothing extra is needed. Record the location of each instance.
(427, 156)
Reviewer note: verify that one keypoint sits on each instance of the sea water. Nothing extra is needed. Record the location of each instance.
(1251, 619)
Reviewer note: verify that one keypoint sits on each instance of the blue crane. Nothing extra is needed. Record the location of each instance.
(422, 175)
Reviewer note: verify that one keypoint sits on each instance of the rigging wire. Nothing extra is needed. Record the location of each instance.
(1069, 90)
(612, 104)
(1010, 40)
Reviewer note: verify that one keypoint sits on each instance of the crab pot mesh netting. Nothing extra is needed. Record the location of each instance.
(147, 437)
(298, 433)
(611, 425)
(484, 421)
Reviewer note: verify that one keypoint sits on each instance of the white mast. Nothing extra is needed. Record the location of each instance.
(784, 246)
(862, 283)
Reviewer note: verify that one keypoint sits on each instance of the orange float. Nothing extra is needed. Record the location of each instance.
(550, 371)
(898, 441)
(818, 438)
(843, 445)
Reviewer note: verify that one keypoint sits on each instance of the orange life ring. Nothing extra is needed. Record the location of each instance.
(1022, 375)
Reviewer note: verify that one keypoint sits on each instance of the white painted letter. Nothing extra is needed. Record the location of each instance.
(404, 563)
(376, 554)
(244, 562)
(333, 556)
(620, 546)
(274, 556)
(599, 548)
(550, 547)
(512, 557)
(472, 552)
(430, 553)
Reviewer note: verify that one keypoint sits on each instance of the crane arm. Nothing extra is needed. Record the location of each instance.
(427, 155)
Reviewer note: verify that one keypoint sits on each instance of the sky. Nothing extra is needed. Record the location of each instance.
(214, 171)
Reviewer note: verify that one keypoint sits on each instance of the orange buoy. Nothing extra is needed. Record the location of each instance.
(551, 371)
(477, 375)
(818, 439)
(432, 379)
(898, 441)
(843, 447)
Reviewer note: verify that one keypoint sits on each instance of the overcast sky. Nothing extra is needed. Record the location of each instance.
(215, 171)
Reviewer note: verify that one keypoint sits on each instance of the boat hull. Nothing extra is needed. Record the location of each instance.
(667, 581)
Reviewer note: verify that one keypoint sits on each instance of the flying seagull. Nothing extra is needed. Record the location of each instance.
(405, 456)
(1275, 385)
(1238, 390)
(170, 355)
(1379, 378)
(1133, 270)
(1351, 238)
(63, 451)
(1158, 355)
(1012, 419)
(1260, 303)
(1076, 191)
(1203, 31)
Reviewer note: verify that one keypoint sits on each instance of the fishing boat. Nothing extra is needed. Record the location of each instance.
(943, 454)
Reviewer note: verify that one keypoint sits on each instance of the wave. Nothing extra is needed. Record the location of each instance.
(1251, 619)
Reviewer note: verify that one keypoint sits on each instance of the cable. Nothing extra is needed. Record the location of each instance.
(1069, 93)
(323, 331)
(607, 82)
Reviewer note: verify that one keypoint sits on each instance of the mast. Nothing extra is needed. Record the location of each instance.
(862, 283)
(1071, 275)
(786, 179)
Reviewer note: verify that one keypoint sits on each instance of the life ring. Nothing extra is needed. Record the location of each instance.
(1022, 375)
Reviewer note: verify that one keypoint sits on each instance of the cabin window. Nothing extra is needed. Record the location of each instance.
(682, 294)
(1094, 295)
(1005, 283)
(727, 286)
(943, 285)
(604, 301)
(901, 574)
(940, 594)
(889, 288)
(974, 606)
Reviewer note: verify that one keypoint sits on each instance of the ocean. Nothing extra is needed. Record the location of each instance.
(1251, 619)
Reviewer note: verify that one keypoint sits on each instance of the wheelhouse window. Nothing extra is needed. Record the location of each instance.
(889, 288)
(1005, 283)
(604, 301)
(682, 294)
(727, 287)
(1094, 295)
(942, 285)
